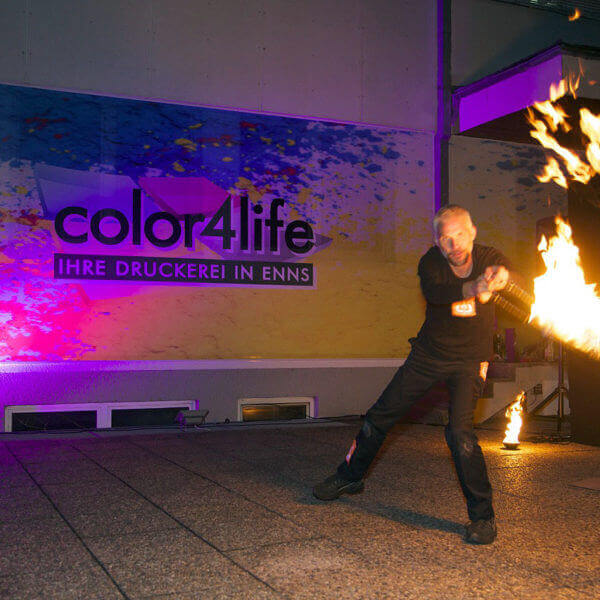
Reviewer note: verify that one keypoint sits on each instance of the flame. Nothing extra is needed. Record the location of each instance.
(558, 90)
(552, 172)
(565, 305)
(573, 81)
(575, 15)
(590, 125)
(578, 169)
(513, 413)
(554, 117)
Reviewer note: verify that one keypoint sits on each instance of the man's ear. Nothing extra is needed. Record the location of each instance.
(474, 232)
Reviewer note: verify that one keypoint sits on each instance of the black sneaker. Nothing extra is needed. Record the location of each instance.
(481, 532)
(334, 486)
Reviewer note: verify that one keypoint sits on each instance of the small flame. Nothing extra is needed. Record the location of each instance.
(513, 413)
(565, 305)
(558, 90)
(552, 172)
(575, 15)
(573, 81)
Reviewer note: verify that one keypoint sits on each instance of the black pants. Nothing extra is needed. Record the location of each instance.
(411, 381)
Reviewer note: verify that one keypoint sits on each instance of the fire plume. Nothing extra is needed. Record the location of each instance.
(553, 118)
(565, 305)
(577, 168)
(513, 428)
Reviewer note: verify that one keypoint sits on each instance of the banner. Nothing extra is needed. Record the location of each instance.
(140, 230)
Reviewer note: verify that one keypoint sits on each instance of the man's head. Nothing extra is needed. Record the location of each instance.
(454, 234)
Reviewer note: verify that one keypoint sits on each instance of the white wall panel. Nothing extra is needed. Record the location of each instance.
(13, 40)
(89, 45)
(357, 60)
(400, 63)
(208, 52)
(312, 58)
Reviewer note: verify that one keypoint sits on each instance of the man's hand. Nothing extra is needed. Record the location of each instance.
(493, 279)
(496, 277)
(478, 287)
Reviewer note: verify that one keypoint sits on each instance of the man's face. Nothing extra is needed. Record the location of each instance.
(455, 238)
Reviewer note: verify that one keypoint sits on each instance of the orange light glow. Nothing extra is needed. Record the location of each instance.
(575, 15)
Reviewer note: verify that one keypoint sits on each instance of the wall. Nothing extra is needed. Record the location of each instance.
(371, 61)
(367, 186)
(339, 387)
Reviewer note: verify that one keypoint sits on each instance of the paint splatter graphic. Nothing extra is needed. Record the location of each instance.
(353, 184)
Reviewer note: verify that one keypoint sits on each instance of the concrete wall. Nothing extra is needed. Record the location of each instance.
(364, 61)
(371, 61)
(339, 387)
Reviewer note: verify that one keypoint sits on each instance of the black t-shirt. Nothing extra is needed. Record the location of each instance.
(455, 328)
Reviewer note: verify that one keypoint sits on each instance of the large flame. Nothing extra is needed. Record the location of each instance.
(513, 413)
(565, 305)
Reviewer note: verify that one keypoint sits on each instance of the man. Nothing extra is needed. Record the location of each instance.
(453, 345)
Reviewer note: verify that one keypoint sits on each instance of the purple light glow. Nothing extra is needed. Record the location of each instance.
(510, 94)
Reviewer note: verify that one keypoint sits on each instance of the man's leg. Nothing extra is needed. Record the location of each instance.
(410, 382)
(465, 389)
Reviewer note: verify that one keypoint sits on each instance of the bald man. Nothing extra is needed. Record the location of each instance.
(454, 344)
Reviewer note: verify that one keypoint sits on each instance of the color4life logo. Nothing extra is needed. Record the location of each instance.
(168, 230)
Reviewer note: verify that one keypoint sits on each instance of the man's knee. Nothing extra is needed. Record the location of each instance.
(370, 433)
(462, 441)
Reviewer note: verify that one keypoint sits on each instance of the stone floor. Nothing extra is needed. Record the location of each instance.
(227, 512)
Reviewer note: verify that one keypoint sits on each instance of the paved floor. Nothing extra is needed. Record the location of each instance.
(228, 513)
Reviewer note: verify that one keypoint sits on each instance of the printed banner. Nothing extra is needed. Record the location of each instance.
(146, 230)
